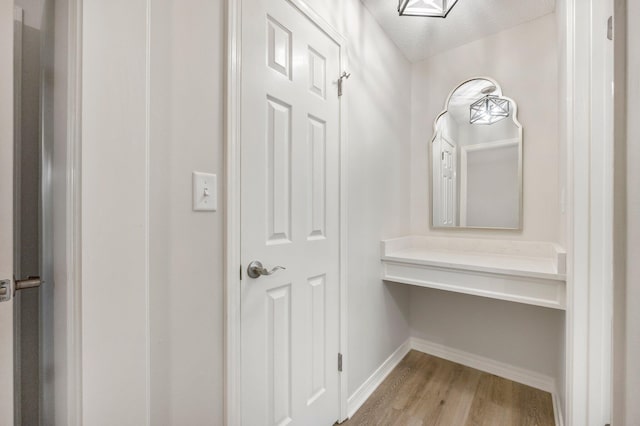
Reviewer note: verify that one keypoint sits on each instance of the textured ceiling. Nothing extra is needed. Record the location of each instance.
(420, 37)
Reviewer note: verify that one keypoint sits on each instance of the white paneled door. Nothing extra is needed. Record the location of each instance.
(6, 212)
(290, 180)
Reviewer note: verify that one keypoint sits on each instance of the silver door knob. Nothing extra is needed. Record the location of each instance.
(256, 270)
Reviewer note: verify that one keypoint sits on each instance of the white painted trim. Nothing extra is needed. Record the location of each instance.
(74, 215)
(303, 7)
(232, 327)
(147, 211)
(360, 396)
(601, 217)
(490, 294)
(18, 14)
(232, 338)
(344, 236)
(557, 407)
(18, 28)
(18, 17)
(535, 291)
(589, 219)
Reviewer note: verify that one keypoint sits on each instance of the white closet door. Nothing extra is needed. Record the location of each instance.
(290, 158)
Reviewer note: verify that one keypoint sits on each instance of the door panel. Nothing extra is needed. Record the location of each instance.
(6, 208)
(278, 165)
(290, 149)
(317, 179)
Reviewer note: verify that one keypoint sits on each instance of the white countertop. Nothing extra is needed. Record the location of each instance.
(516, 258)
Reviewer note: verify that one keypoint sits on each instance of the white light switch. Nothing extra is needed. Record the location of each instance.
(205, 196)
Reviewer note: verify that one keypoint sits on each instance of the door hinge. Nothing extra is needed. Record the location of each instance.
(344, 76)
(340, 362)
(610, 28)
(241, 272)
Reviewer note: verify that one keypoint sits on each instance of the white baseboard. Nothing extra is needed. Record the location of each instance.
(557, 408)
(507, 371)
(361, 394)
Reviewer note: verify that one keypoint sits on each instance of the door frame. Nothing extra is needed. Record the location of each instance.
(69, 368)
(7, 64)
(589, 213)
(232, 185)
(18, 20)
(74, 214)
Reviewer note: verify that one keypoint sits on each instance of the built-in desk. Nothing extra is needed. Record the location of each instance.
(518, 271)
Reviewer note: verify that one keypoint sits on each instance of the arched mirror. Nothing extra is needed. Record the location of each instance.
(476, 159)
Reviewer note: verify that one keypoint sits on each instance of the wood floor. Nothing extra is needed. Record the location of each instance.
(425, 390)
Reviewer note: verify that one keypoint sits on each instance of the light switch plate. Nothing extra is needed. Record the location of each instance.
(205, 196)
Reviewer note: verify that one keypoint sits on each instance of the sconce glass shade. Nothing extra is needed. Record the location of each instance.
(489, 109)
(432, 8)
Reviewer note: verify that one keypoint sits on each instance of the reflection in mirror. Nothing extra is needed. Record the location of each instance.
(477, 159)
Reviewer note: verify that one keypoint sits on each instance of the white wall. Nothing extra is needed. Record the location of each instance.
(152, 268)
(524, 61)
(520, 335)
(115, 216)
(520, 59)
(633, 216)
(186, 247)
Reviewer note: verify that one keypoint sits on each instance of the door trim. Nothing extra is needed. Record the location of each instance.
(232, 185)
(73, 212)
(18, 20)
(18, 17)
(589, 214)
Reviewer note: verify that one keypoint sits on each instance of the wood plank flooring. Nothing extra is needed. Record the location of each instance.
(425, 390)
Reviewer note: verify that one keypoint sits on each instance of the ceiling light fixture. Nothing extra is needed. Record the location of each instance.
(489, 109)
(431, 8)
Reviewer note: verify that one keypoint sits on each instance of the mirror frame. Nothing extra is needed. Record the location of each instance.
(514, 116)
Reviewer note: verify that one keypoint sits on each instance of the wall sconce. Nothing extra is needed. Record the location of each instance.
(489, 109)
(431, 8)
